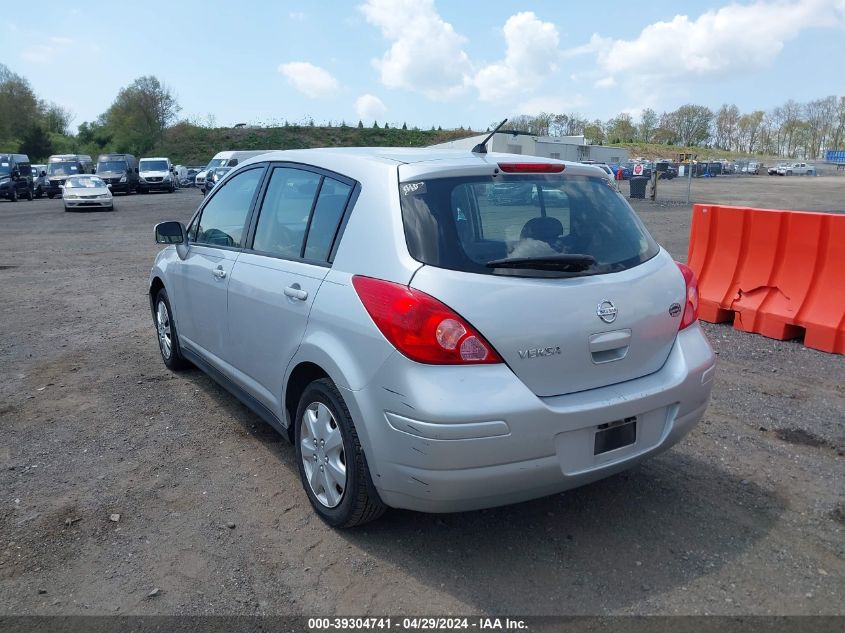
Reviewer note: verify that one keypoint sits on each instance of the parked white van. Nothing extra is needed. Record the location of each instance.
(226, 159)
(156, 174)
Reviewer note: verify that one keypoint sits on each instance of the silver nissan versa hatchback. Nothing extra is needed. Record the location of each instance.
(435, 330)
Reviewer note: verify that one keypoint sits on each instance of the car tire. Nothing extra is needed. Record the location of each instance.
(13, 194)
(111, 208)
(50, 195)
(358, 501)
(29, 195)
(168, 340)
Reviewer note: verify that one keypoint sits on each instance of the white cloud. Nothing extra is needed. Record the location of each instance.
(46, 51)
(719, 42)
(605, 82)
(426, 54)
(296, 16)
(530, 56)
(536, 105)
(369, 107)
(310, 80)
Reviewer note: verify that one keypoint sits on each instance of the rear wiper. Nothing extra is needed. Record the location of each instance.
(569, 262)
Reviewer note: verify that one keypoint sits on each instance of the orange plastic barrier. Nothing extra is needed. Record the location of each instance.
(774, 272)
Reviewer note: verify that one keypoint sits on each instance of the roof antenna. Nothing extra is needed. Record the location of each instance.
(481, 148)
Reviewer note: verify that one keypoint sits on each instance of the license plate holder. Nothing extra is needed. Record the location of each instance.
(616, 434)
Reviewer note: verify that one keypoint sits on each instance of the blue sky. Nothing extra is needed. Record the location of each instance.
(428, 62)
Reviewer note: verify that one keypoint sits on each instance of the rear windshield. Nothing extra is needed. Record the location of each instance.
(466, 223)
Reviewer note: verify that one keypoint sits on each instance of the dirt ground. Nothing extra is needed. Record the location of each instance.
(746, 516)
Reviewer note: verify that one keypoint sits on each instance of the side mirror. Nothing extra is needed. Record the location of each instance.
(108, 184)
(136, 170)
(171, 233)
(43, 173)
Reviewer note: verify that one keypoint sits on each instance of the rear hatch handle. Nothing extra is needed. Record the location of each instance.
(606, 347)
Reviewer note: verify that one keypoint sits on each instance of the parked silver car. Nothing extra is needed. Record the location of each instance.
(87, 192)
(425, 344)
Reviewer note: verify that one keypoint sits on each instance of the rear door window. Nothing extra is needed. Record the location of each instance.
(285, 212)
(300, 215)
(467, 223)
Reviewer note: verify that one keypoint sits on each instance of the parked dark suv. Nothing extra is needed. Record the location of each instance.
(15, 177)
(120, 171)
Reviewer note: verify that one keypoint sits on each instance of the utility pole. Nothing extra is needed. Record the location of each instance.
(689, 177)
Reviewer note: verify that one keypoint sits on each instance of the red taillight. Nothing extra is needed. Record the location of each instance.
(532, 168)
(420, 326)
(691, 303)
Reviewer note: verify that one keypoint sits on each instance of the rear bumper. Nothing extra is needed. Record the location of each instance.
(447, 439)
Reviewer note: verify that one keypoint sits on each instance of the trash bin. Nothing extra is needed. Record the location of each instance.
(638, 184)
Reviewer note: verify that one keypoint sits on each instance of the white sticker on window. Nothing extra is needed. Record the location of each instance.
(412, 188)
(4, 164)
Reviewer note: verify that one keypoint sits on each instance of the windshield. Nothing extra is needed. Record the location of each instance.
(84, 182)
(111, 165)
(551, 225)
(216, 162)
(153, 165)
(62, 169)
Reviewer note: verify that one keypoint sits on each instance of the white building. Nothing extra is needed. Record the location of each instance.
(573, 148)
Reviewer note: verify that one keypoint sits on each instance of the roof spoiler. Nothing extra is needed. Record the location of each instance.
(481, 148)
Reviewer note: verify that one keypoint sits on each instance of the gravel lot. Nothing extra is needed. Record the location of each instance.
(746, 516)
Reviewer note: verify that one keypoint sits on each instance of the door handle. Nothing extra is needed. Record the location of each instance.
(219, 272)
(295, 292)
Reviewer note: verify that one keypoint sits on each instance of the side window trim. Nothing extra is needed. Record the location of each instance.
(341, 226)
(311, 216)
(325, 173)
(195, 221)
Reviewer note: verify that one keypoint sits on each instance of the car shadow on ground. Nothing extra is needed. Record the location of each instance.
(603, 547)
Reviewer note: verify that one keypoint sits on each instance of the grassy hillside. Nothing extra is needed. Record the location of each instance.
(653, 151)
(188, 144)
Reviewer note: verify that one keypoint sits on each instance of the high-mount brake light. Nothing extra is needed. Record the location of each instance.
(691, 303)
(421, 327)
(532, 168)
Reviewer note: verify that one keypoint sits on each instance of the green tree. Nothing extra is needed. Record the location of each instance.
(36, 143)
(18, 108)
(140, 114)
(55, 118)
(404, 126)
(594, 132)
(360, 124)
(647, 125)
(620, 129)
